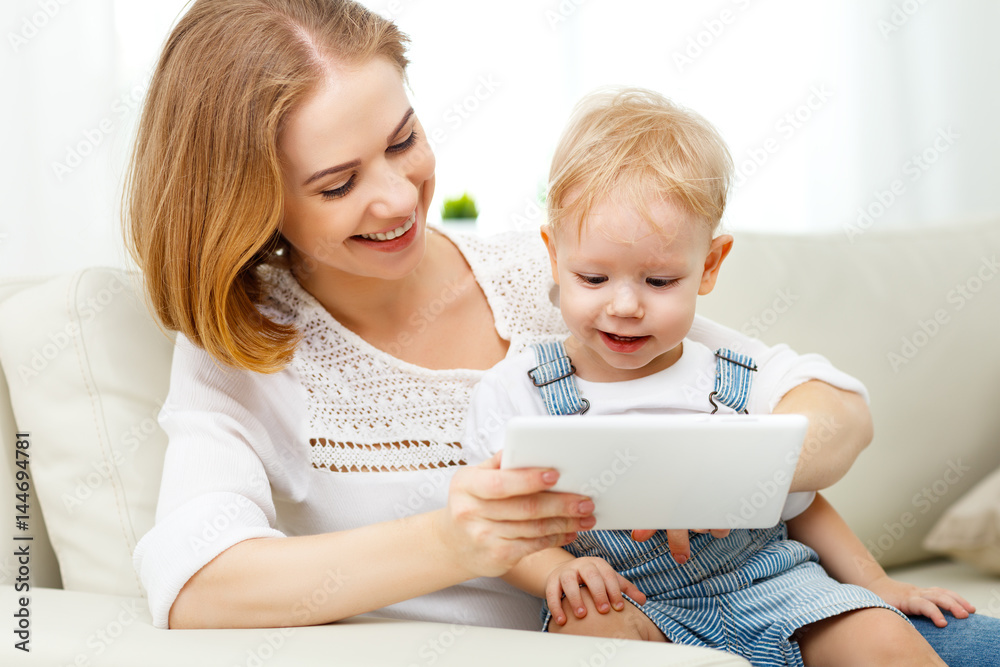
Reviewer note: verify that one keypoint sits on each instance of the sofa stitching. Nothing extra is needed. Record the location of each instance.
(101, 427)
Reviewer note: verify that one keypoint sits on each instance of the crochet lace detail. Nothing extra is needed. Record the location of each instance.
(371, 412)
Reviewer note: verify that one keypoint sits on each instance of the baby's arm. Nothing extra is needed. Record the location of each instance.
(551, 573)
(847, 560)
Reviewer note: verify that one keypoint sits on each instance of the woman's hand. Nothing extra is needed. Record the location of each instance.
(914, 600)
(678, 541)
(605, 586)
(494, 517)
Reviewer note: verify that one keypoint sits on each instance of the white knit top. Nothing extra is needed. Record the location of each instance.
(347, 435)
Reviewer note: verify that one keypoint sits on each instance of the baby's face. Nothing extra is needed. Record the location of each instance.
(627, 292)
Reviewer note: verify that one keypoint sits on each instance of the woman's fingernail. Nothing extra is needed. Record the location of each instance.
(585, 507)
(588, 522)
(619, 606)
(580, 611)
(680, 559)
(550, 477)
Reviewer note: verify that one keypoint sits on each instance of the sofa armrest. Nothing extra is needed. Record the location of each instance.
(91, 630)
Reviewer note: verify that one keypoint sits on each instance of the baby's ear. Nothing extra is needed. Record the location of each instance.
(550, 244)
(717, 251)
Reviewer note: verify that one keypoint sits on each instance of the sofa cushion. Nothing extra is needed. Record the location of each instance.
(970, 529)
(914, 315)
(87, 379)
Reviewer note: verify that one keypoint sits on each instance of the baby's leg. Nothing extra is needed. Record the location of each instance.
(872, 636)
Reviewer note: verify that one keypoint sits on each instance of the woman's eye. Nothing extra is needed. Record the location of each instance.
(592, 280)
(660, 282)
(403, 145)
(336, 193)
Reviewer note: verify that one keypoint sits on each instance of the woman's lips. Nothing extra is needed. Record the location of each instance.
(623, 344)
(402, 237)
(392, 233)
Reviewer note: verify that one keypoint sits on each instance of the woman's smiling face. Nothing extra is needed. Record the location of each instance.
(358, 175)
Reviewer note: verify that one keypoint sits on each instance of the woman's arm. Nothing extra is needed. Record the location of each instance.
(493, 519)
(840, 426)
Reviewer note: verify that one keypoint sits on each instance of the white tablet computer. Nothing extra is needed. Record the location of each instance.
(666, 471)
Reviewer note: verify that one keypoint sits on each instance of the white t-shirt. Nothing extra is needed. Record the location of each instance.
(506, 391)
(348, 435)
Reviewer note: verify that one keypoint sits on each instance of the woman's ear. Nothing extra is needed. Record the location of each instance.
(550, 245)
(717, 251)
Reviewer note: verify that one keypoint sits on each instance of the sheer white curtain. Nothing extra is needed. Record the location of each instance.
(848, 116)
(74, 74)
(841, 116)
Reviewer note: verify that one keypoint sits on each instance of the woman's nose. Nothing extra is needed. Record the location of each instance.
(396, 195)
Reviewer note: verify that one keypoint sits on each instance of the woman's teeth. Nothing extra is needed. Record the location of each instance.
(390, 235)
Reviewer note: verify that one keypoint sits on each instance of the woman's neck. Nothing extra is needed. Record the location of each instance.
(368, 305)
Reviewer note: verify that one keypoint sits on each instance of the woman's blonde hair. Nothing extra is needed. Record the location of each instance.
(204, 191)
(635, 147)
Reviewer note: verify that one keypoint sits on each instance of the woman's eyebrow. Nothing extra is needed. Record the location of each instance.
(354, 163)
(332, 170)
(406, 117)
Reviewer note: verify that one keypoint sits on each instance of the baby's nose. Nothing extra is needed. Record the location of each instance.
(625, 302)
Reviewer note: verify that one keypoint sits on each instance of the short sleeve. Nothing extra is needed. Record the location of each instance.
(502, 393)
(781, 369)
(222, 428)
(797, 503)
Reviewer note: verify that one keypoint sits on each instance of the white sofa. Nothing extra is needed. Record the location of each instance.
(85, 371)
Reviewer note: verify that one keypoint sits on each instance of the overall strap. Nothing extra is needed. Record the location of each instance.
(554, 378)
(732, 380)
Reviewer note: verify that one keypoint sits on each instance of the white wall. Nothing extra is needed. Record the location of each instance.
(874, 84)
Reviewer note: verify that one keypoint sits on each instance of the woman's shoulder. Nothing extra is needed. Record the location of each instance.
(282, 299)
(512, 268)
(509, 248)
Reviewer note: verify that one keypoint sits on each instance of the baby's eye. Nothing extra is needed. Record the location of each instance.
(660, 282)
(591, 280)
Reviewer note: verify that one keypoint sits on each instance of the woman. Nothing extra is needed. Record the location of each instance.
(328, 342)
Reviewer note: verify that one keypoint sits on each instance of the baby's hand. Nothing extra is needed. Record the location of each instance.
(606, 587)
(914, 600)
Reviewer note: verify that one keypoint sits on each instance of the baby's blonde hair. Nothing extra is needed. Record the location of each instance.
(635, 147)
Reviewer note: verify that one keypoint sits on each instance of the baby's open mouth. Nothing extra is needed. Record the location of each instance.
(623, 339)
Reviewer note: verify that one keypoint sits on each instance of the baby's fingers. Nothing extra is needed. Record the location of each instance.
(950, 600)
(958, 601)
(925, 607)
(570, 586)
(553, 596)
(603, 585)
(631, 590)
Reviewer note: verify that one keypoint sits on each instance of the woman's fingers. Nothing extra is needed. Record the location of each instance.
(488, 481)
(496, 517)
(680, 546)
(515, 495)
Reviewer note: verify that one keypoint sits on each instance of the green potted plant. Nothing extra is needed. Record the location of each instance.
(459, 211)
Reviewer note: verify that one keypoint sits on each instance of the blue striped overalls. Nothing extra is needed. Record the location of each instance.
(746, 593)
